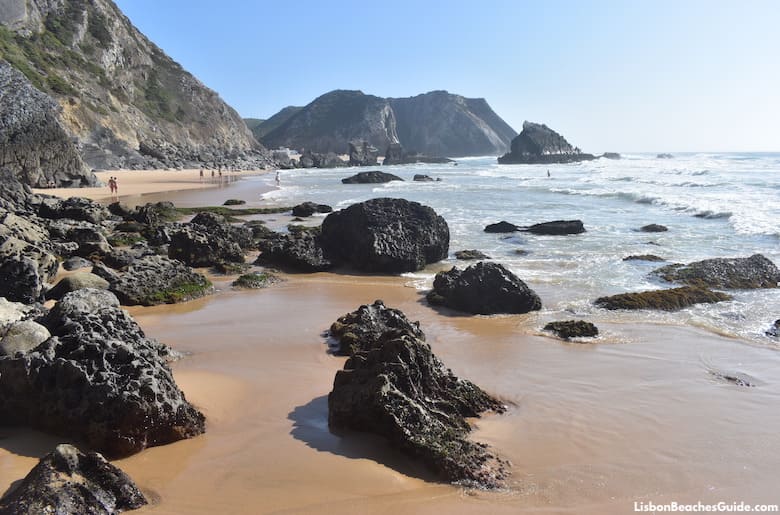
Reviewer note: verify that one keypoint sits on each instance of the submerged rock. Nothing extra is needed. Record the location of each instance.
(307, 209)
(774, 331)
(501, 227)
(98, 379)
(667, 300)
(643, 257)
(375, 177)
(558, 227)
(484, 289)
(653, 228)
(362, 329)
(399, 389)
(572, 329)
(234, 202)
(470, 254)
(68, 481)
(753, 272)
(255, 280)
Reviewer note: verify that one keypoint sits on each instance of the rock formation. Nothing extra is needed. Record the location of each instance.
(501, 227)
(153, 280)
(362, 329)
(395, 155)
(361, 153)
(307, 209)
(538, 144)
(484, 289)
(69, 481)
(557, 228)
(666, 300)
(373, 177)
(755, 271)
(568, 329)
(470, 254)
(653, 228)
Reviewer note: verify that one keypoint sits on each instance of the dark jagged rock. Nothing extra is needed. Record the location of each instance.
(666, 300)
(69, 481)
(386, 235)
(14, 196)
(400, 390)
(501, 227)
(77, 281)
(153, 214)
(300, 251)
(374, 177)
(572, 329)
(92, 243)
(653, 228)
(558, 228)
(483, 289)
(74, 208)
(774, 331)
(470, 254)
(311, 159)
(752, 272)
(26, 259)
(255, 280)
(309, 208)
(153, 280)
(664, 156)
(98, 380)
(35, 145)
(219, 226)
(362, 153)
(259, 230)
(362, 329)
(643, 257)
(538, 144)
(207, 240)
(234, 202)
(611, 155)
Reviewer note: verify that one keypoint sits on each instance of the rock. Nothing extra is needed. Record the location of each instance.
(736, 378)
(36, 146)
(538, 144)
(121, 210)
(374, 177)
(501, 227)
(361, 153)
(231, 268)
(69, 481)
(98, 379)
(386, 235)
(300, 251)
(394, 155)
(75, 263)
(92, 243)
(154, 280)
(483, 289)
(558, 228)
(255, 280)
(209, 240)
(774, 331)
(423, 178)
(74, 208)
(664, 156)
(22, 336)
(75, 282)
(234, 202)
(26, 258)
(572, 329)
(398, 389)
(153, 214)
(307, 209)
(311, 159)
(470, 254)
(362, 329)
(755, 271)
(654, 228)
(666, 300)
(219, 226)
(643, 257)
(611, 155)
(14, 196)
(11, 312)
(20, 279)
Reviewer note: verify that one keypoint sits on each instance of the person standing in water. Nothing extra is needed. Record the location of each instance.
(278, 178)
(548, 173)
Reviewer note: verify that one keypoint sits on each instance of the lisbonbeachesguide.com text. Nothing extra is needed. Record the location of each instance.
(700, 507)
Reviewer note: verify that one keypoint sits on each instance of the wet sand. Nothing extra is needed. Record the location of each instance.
(591, 428)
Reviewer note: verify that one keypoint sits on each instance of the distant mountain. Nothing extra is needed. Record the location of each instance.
(121, 98)
(436, 124)
(253, 122)
(261, 129)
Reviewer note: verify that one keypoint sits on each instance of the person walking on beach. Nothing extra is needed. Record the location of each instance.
(201, 175)
(111, 185)
(116, 188)
(548, 173)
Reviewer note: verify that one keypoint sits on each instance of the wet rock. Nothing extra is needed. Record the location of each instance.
(68, 481)
(259, 230)
(234, 202)
(501, 227)
(301, 251)
(98, 379)
(398, 389)
(154, 280)
(220, 227)
(22, 336)
(231, 268)
(21, 279)
(572, 329)
(375, 177)
(611, 155)
(307, 209)
(386, 235)
(153, 214)
(484, 289)
(558, 228)
(130, 226)
(362, 329)
(653, 228)
(643, 257)
(14, 196)
(774, 331)
(753, 272)
(736, 378)
(666, 300)
(423, 178)
(255, 281)
(76, 263)
(77, 281)
(470, 254)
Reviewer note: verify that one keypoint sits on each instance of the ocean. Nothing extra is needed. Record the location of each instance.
(714, 205)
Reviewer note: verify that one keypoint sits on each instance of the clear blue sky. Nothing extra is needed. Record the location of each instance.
(626, 75)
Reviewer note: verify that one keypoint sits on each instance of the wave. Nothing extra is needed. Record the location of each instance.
(713, 215)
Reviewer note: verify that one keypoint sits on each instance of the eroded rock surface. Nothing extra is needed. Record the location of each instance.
(752, 272)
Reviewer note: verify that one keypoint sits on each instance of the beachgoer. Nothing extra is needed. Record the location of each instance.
(116, 187)
(111, 185)
(201, 175)
(548, 173)
(278, 179)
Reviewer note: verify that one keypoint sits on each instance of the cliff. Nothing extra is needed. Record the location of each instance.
(122, 99)
(435, 124)
(266, 126)
(538, 144)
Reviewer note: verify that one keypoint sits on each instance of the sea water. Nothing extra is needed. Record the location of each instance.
(715, 205)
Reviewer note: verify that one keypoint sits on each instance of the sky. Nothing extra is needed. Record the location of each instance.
(623, 76)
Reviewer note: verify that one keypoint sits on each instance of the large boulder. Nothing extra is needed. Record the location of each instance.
(373, 177)
(471, 254)
(27, 261)
(98, 379)
(501, 227)
(398, 389)
(77, 281)
(300, 251)
(18, 330)
(361, 153)
(68, 481)
(538, 144)
(755, 271)
(774, 330)
(92, 243)
(394, 155)
(386, 235)
(153, 280)
(484, 289)
(14, 196)
(666, 300)
(558, 227)
(362, 329)
(74, 208)
(206, 245)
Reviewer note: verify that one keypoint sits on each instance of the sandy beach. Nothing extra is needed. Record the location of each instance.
(590, 428)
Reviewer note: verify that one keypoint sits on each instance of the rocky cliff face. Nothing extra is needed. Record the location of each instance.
(266, 126)
(435, 124)
(540, 144)
(125, 102)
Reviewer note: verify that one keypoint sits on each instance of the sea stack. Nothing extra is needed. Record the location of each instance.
(539, 144)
